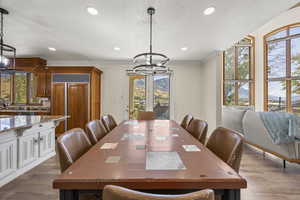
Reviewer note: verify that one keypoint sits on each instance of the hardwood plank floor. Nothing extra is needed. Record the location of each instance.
(267, 180)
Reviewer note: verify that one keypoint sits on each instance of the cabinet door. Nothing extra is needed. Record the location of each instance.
(41, 84)
(78, 105)
(8, 158)
(58, 105)
(28, 149)
(47, 142)
(48, 84)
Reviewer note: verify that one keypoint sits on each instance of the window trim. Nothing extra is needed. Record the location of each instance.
(287, 77)
(236, 80)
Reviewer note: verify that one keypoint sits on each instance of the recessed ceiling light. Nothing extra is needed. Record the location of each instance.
(184, 48)
(51, 49)
(209, 10)
(92, 10)
(117, 48)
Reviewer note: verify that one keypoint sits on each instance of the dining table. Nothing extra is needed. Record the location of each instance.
(156, 156)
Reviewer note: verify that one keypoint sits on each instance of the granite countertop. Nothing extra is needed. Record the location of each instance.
(14, 122)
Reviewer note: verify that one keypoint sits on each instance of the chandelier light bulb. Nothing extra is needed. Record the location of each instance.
(4, 62)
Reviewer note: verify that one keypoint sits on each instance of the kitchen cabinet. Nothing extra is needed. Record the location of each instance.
(21, 149)
(36, 142)
(73, 86)
(28, 149)
(42, 77)
(46, 142)
(43, 83)
(8, 157)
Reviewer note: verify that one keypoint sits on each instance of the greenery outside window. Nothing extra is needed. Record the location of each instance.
(238, 73)
(282, 69)
(20, 88)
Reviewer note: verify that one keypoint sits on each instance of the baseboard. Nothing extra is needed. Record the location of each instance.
(23, 170)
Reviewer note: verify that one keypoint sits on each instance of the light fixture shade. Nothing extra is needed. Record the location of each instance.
(7, 52)
(150, 63)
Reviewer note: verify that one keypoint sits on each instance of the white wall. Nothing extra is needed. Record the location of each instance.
(212, 89)
(289, 17)
(186, 87)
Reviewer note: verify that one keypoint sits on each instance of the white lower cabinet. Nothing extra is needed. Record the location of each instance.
(21, 153)
(28, 149)
(46, 142)
(8, 157)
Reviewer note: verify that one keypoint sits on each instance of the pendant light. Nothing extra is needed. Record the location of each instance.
(7, 52)
(149, 63)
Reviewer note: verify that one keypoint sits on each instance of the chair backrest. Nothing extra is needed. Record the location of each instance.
(112, 121)
(186, 121)
(146, 115)
(198, 128)
(109, 122)
(227, 145)
(118, 193)
(71, 146)
(95, 131)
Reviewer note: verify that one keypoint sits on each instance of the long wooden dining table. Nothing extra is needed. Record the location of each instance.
(124, 157)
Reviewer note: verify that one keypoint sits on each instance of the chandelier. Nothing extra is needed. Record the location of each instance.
(7, 52)
(150, 63)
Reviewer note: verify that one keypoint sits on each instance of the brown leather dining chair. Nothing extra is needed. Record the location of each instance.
(227, 145)
(186, 121)
(198, 128)
(71, 146)
(146, 115)
(95, 131)
(111, 192)
(112, 121)
(109, 122)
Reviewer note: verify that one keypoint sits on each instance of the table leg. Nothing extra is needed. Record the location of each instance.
(68, 195)
(232, 195)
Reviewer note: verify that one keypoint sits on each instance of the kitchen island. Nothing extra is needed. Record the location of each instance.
(25, 142)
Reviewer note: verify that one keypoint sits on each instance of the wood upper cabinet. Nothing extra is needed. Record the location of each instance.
(30, 64)
(42, 75)
(43, 79)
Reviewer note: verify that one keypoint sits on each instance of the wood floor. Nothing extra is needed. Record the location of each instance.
(267, 180)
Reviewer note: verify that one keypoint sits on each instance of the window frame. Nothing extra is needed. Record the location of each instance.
(236, 80)
(288, 76)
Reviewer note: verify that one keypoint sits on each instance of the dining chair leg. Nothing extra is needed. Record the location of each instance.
(234, 194)
(68, 195)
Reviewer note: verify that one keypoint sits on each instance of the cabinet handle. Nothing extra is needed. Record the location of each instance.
(41, 138)
(40, 125)
(35, 141)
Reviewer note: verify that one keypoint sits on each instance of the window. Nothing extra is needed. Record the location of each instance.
(18, 88)
(151, 92)
(5, 84)
(137, 95)
(238, 76)
(282, 70)
(161, 93)
(20, 81)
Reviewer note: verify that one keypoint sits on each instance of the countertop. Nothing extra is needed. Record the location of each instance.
(24, 111)
(14, 122)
